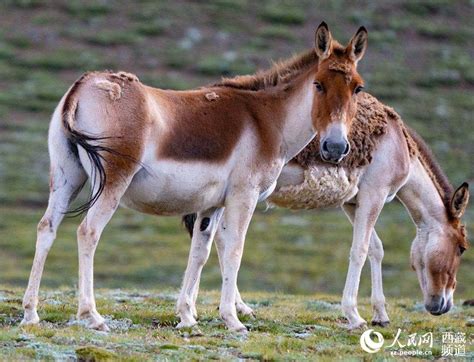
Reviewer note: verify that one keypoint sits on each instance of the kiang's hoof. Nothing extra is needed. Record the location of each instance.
(382, 324)
(357, 326)
(242, 331)
(238, 328)
(246, 311)
(29, 322)
(183, 325)
(251, 315)
(102, 327)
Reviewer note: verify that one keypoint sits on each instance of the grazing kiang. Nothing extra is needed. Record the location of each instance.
(215, 151)
(387, 160)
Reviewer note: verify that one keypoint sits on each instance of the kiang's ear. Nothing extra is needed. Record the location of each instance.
(323, 41)
(460, 200)
(358, 44)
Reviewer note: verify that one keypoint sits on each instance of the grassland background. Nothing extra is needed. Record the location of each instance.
(419, 61)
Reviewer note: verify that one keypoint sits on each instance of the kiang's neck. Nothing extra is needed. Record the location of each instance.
(296, 124)
(423, 200)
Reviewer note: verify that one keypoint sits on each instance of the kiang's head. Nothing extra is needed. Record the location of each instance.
(337, 84)
(436, 255)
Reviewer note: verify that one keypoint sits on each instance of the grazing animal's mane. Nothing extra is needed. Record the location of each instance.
(281, 73)
(437, 175)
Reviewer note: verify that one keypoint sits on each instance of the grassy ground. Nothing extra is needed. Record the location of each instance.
(142, 327)
(419, 61)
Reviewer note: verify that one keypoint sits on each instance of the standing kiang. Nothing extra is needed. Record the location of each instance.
(215, 151)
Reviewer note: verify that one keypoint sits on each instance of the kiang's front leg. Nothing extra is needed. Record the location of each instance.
(364, 215)
(237, 215)
(204, 230)
(240, 305)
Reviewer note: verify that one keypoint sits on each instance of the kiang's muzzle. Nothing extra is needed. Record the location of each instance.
(334, 145)
(438, 305)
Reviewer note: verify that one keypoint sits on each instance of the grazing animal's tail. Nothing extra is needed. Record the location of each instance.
(188, 222)
(91, 145)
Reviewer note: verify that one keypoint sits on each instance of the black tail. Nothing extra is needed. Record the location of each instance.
(188, 222)
(91, 144)
(98, 171)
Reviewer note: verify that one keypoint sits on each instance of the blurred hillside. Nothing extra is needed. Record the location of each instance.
(419, 61)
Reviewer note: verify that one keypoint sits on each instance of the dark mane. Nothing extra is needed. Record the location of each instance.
(281, 73)
(444, 187)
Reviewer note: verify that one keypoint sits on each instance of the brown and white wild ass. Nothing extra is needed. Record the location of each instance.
(214, 151)
(387, 160)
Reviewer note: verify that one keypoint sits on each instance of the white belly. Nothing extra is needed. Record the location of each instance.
(322, 187)
(171, 188)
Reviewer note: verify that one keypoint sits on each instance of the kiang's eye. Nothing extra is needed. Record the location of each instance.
(318, 86)
(462, 249)
(358, 89)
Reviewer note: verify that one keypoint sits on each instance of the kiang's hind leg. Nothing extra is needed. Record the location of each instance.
(364, 237)
(376, 253)
(88, 235)
(204, 230)
(66, 180)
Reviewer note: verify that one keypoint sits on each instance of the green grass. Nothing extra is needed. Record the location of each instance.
(277, 32)
(20, 41)
(283, 14)
(112, 37)
(25, 4)
(217, 66)
(426, 7)
(152, 28)
(6, 51)
(174, 57)
(142, 327)
(87, 9)
(63, 59)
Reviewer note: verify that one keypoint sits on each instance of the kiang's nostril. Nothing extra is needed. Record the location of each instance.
(325, 146)
(347, 149)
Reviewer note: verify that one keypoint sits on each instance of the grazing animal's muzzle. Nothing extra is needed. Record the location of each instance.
(334, 150)
(438, 305)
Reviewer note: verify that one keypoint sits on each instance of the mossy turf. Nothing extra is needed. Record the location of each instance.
(143, 324)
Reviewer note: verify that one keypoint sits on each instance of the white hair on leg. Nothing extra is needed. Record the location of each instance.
(204, 230)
